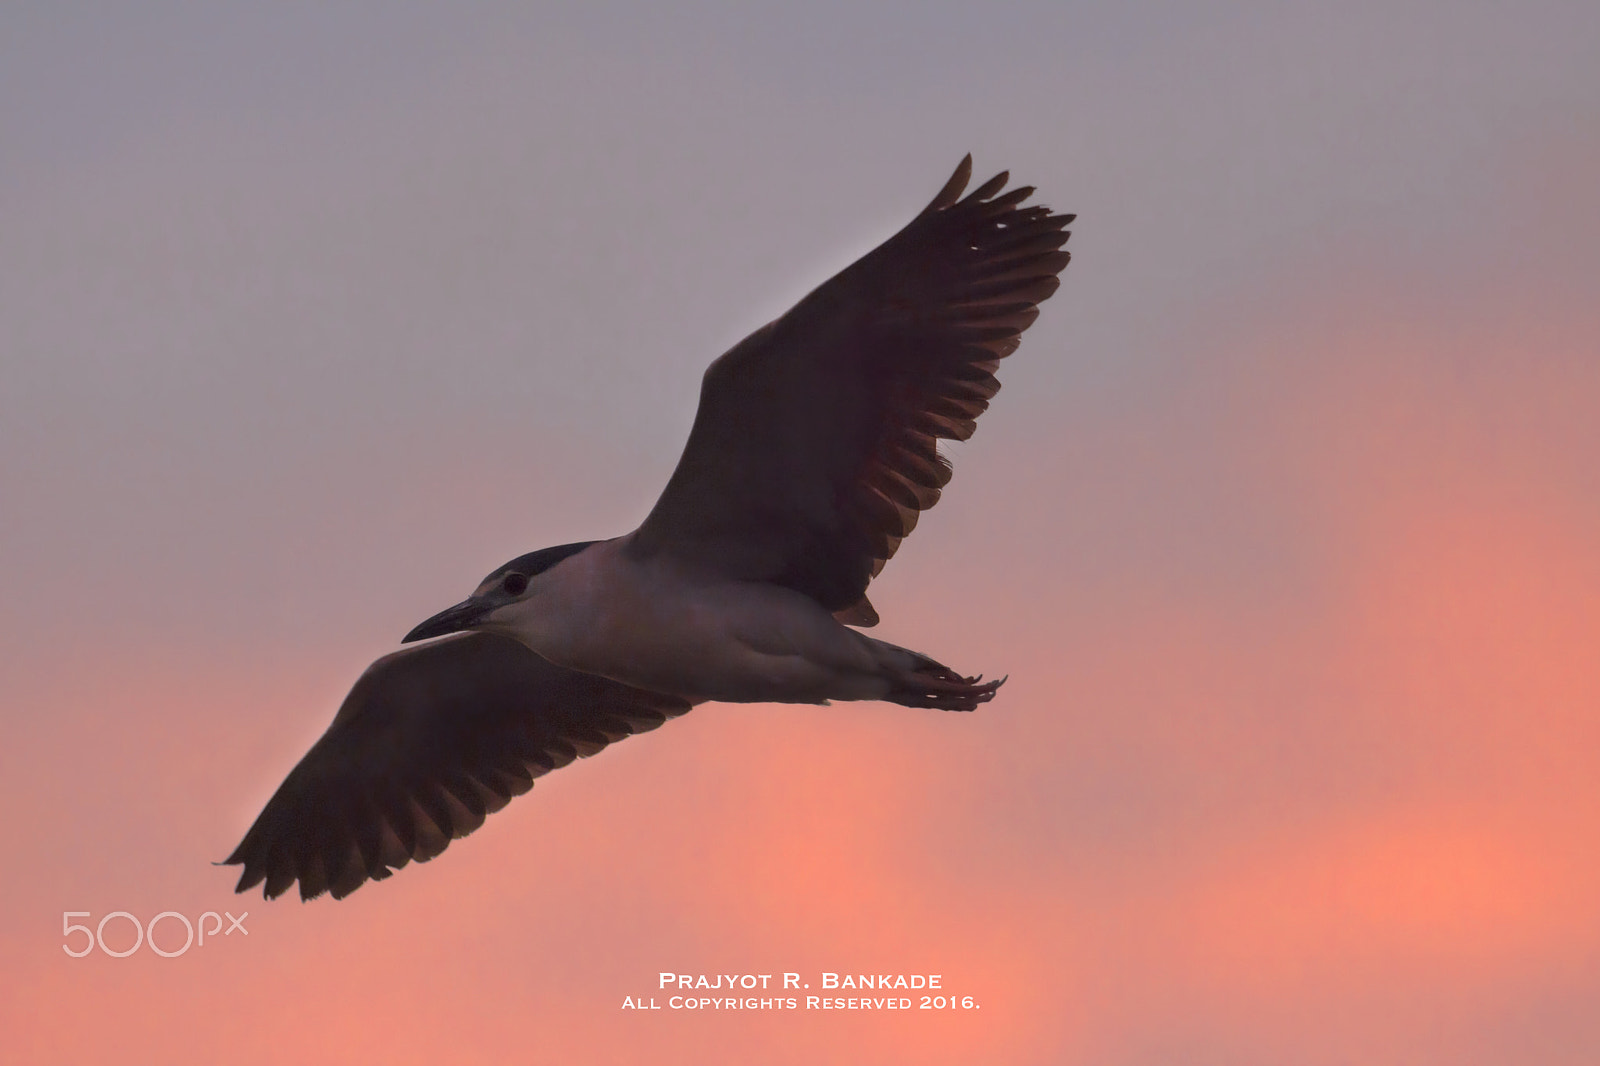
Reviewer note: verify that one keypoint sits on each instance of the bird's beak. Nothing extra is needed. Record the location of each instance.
(450, 620)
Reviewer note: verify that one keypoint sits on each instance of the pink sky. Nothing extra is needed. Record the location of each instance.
(1286, 528)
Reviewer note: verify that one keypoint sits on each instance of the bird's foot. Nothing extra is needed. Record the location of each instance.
(941, 688)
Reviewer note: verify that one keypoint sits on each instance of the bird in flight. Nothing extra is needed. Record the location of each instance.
(813, 452)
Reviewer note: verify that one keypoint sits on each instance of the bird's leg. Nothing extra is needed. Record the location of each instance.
(941, 688)
(915, 680)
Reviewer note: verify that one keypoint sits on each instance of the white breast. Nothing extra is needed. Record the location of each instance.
(653, 625)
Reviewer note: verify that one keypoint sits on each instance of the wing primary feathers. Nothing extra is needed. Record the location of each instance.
(430, 742)
(988, 188)
(811, 431)
(952, 188)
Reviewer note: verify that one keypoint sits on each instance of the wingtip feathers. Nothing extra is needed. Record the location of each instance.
(953, 188)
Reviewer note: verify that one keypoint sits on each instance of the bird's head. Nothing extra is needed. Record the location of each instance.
(509, 584)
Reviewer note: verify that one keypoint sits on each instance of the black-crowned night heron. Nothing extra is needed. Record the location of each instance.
(812, 455)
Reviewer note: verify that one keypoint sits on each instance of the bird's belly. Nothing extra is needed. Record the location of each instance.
(739, 642)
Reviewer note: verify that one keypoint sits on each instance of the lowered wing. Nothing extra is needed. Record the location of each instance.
(430, 741)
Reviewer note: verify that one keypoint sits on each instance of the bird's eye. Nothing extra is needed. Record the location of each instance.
(516, 584)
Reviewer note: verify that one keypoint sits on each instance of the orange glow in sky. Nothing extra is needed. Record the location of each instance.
(1286, 529)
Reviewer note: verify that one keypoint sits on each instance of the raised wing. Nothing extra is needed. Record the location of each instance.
(430, 741)
(814, 450)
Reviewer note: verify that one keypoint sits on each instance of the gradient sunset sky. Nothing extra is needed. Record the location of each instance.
(1285, 525)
